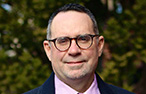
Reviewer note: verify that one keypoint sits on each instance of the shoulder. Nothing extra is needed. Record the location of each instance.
(106, 88)
(33, 91)
(119, 90)
(47, 86)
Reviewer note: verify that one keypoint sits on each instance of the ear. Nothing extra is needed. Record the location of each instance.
(47, 49)
(100, 45)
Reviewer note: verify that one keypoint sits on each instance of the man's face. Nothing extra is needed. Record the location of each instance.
(73, 63)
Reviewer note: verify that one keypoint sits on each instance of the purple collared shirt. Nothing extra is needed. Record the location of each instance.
(62, 88)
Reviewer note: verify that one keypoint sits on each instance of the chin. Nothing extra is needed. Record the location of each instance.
(76, 75)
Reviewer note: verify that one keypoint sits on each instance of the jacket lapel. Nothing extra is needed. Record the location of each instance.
(49, 86)
(103, 87)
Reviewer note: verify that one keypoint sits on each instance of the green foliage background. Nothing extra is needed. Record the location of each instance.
(24, 65)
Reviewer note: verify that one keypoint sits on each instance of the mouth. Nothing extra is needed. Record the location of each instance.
(75, 65)
(75, 62)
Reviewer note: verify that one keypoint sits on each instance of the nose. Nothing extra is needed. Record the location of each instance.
(74, 50)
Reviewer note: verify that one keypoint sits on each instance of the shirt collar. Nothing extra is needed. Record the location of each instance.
(62, 88)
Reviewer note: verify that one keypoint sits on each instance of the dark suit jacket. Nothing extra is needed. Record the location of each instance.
(49, 87)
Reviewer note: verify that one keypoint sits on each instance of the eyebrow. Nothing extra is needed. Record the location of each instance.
(72, 37)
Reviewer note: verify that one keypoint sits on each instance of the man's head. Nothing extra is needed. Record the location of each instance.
(72, 24)
(73, 7)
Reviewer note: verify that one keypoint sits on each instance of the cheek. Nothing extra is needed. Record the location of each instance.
(56, 56)
(93, 54)
(55, 60)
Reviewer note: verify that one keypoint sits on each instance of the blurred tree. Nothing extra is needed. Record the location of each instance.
(23, 62)
(24, 65)
(125, 48)
(21, 75)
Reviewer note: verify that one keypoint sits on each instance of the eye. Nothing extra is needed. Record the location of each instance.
(84, 38)
(62, 40)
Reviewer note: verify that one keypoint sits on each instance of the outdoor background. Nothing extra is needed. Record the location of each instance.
(23, 24)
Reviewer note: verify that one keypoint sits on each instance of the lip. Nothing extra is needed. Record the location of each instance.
(78, 62)
(75, 62)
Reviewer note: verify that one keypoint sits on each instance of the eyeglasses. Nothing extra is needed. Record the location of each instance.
(64, 43)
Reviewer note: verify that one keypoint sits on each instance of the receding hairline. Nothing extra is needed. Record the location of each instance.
(62, 12)
(72, 7)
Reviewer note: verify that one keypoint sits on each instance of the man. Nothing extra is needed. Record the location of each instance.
(73, 46)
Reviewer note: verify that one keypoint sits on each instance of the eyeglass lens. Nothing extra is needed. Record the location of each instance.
(83, 41)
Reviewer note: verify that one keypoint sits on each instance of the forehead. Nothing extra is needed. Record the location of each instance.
(71, 22)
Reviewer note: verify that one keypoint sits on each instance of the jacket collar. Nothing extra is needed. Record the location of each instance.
(49, 86)
(103, 87)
